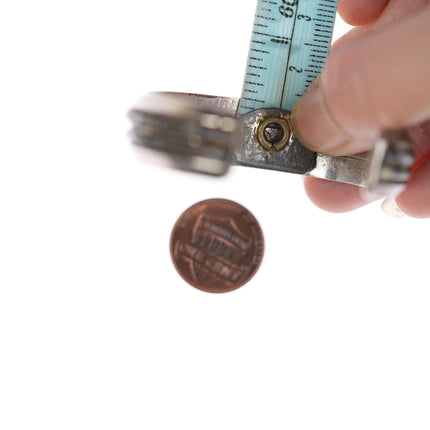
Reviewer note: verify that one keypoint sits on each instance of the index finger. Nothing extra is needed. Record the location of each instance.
(361, 12)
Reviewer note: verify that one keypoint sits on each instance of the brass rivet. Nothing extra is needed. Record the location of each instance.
(274, 132)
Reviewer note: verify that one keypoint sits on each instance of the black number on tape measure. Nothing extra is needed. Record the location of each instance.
(286, 10)
(305, 17)
(295, 69)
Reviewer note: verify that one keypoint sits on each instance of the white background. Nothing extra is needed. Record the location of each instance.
(98, 331)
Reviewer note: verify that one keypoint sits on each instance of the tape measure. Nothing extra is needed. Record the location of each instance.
(289, 45)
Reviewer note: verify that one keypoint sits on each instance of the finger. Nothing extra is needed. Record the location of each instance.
(415, 200)
(337, 197)
(375, 82)
(420, 136)
(397, 10)
(361, 12)
(334, 196)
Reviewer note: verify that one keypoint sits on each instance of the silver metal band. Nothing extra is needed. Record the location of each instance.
(202, 134)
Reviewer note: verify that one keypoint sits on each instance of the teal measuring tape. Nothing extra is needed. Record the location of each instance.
(290, 42)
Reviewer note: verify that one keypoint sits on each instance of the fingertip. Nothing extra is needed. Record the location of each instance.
(334, 197)
(332, 117)
(314, 126)
(415, 200)
(361, 12)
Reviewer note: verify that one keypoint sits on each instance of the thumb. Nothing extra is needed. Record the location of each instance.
(372, 83)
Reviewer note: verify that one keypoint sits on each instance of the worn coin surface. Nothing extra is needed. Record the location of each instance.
(217, 245)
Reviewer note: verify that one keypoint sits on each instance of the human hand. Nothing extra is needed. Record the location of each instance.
(376, 78)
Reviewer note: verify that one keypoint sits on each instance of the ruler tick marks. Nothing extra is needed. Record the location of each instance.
(289, 55)
(289, 44)
(258, 67)
(266, 17)
(313, 44)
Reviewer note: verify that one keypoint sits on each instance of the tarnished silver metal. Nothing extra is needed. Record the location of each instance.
(352, 169)
(294, 158)
(391, 163)
(202, 134)
(189, 135)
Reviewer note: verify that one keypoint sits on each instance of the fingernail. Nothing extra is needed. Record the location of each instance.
(390, 208)
(314, 126)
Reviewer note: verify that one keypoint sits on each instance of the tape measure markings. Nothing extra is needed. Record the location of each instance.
(290, 42)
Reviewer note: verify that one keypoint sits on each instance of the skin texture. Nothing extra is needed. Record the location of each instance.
(376, 78)
(361, 12)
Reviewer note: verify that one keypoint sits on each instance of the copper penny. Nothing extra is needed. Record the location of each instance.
(217, 245)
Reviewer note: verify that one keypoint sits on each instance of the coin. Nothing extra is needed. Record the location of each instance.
(217, 245)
